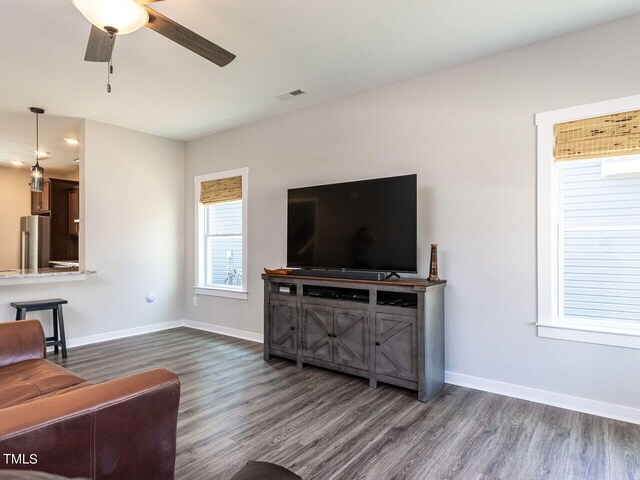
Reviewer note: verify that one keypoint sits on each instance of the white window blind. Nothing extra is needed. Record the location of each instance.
(599, 240)
(223, 244)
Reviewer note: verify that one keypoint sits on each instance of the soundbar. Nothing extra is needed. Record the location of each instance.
(350, 275)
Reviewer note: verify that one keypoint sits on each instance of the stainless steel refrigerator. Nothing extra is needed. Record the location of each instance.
(35, 234)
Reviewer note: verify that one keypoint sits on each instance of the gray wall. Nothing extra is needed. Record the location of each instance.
(132, 213)
(469, 134)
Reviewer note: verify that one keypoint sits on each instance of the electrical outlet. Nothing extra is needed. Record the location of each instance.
(195, 301)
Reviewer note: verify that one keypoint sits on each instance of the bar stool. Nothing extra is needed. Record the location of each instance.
(55, 305)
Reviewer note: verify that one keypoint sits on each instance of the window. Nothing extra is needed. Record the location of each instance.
(599, 239)
(221, 231)
(588, 232)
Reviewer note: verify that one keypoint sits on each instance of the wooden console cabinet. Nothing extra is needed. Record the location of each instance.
(386, 331)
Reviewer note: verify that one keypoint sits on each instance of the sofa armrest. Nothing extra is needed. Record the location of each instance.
(124, 428)
(20, 341)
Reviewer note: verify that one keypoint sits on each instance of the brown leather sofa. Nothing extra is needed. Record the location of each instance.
(54, 421)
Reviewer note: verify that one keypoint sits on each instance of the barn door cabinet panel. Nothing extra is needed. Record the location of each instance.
(386, 331)
(336, 335)
(282, 326)
(317, 333)
(397, 346)
(351, 338)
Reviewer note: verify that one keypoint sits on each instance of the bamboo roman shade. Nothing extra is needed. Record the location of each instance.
(221, 190)
(598, 137)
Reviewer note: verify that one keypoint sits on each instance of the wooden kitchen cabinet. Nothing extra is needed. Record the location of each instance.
(74, 212)
(59, 201)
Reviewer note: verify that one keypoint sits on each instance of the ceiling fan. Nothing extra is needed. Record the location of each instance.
(111, 18)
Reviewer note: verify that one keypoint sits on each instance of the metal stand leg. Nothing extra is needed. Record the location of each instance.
(56, 337)
(63, 338)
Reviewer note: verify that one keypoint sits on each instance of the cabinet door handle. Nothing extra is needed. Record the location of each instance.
(377, 344)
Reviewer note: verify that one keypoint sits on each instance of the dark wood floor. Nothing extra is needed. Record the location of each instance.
(323, 425)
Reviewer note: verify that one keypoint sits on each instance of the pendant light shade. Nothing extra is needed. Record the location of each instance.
(37, 178)
(37, 172)
(125, 16)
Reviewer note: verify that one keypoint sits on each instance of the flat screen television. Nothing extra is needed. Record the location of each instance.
(364, 225)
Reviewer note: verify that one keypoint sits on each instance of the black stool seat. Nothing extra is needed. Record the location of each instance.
(55, 305)
(34, 305)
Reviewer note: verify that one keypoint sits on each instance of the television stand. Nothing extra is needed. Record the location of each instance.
(391, 275)
(344, 274)
(386, 331)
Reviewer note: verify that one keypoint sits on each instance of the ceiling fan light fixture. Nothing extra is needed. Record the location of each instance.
(125, 16)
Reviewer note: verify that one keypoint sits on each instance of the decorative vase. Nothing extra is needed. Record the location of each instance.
(433, 269)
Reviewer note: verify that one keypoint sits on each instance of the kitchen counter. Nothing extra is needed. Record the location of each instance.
(64, 264)
(17, 276)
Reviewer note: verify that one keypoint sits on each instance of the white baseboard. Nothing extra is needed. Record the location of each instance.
(156, 327)
(561, 400)
(230, 332)
(128, 332)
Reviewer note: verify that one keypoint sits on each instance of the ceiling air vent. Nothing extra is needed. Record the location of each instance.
(291, 94)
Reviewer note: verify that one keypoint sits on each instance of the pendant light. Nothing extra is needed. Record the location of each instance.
(37, 172)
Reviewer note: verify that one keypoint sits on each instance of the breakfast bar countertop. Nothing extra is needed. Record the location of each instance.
(18, 276)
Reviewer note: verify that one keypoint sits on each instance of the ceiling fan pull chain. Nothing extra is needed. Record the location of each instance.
(109, 72)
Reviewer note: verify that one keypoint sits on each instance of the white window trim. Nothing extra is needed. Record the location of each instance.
(222, 292)
(550, 325)
(200, 288)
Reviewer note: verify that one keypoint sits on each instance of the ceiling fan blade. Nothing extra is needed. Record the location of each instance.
(100, 46)
(188, 39)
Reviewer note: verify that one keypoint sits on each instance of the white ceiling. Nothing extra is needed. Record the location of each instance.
(331, 48)
(18, 141)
